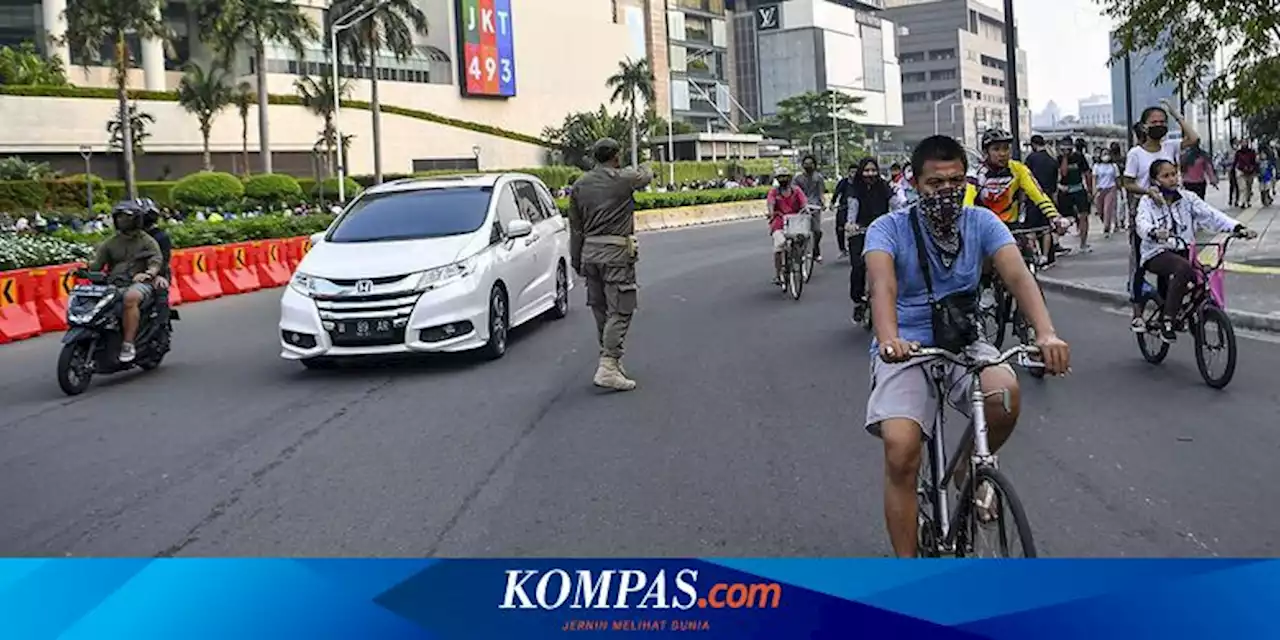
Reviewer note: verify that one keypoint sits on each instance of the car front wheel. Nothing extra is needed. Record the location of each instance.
(496, 347)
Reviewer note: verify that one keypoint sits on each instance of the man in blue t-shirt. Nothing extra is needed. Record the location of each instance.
(957, 240)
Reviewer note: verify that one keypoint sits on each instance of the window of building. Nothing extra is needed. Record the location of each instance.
(872, 58)
(939, 95)
(697, 29)
(943, 74)
(973, 21)
(915, 56)
(993, 63)
(915, 76)
(968, 94)
(942, 54)
(990, 28)
(917, 96)
(709, 6)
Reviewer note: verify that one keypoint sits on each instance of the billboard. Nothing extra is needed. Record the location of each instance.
(486, 48)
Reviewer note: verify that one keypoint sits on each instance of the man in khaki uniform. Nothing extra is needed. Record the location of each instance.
(602, 225)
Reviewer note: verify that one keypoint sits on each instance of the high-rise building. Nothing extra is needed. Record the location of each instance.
(483, 63)
(1096, 110)
(953, 69)
(787, 48)
(1050, 116)
(1148, 90)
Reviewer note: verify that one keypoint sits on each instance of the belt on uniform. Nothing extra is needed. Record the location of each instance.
(629, 242)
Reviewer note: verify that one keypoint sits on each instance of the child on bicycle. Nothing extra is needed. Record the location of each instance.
(1178, 217)
(784, 200)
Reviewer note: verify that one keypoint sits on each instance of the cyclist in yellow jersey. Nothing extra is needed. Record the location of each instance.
(1000, 183)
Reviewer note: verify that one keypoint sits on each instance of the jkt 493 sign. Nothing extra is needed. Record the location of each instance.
(487, 48)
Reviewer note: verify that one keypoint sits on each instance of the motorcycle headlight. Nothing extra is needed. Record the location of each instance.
(441, 276)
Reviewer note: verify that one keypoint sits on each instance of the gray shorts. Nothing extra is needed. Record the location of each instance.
(145, 290)
(904, 390)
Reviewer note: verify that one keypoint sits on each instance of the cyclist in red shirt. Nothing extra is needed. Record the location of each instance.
(784, 200)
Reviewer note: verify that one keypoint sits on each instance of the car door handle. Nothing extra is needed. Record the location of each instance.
(528, 241)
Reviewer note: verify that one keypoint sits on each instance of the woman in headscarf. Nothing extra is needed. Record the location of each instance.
(871, 197)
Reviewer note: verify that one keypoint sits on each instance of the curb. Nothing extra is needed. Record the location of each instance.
(1241, 319)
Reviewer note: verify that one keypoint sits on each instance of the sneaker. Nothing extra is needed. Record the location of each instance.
(1086, 249)
(1168, 334)
(817, 259)
(127, 352)
(1138, 325)
(844, 254)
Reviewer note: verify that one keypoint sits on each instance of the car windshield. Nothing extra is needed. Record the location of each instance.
(412, 215)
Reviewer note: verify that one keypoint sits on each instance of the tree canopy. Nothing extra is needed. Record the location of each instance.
(1193, 35)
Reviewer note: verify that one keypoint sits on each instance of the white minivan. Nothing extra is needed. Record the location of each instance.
(429, 265)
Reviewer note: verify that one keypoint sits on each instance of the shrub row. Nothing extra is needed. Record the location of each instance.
(172, 96)
(27, 251)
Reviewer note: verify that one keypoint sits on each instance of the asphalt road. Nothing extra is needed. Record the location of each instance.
(744, 439)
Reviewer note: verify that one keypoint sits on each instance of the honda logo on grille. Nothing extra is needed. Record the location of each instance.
(364, 286)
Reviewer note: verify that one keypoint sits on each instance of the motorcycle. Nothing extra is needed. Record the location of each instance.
(94, 336)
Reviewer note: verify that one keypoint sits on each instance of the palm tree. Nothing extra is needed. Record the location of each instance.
(633, 81)
(231, 23)
(94, 24)
(317, 96)
(204, 94)
(243, 98)
(391, 27)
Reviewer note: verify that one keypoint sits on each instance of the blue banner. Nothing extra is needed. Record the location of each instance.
(1046, 599)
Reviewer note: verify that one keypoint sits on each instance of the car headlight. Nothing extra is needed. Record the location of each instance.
(441, 276)
(302, 283)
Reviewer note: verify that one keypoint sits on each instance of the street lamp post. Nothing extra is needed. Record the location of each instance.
(342, 24)
(86, 152)
(938, 102)
(1011, 78)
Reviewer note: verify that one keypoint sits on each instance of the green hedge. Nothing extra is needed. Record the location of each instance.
(272, 189)
(208, 189)
(200, 234)
(172, 96)
(327, 189)
(67, 193)
(687, 172)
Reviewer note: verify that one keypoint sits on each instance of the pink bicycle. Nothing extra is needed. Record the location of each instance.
(1202, 315)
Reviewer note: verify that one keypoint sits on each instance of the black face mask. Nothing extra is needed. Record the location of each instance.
(1157, 132)
(125, 224)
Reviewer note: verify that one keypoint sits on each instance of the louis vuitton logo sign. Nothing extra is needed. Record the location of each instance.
(767, 18)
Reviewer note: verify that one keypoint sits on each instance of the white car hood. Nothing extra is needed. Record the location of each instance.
(353, 260)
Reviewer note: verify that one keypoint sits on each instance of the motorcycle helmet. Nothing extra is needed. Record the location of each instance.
(995, 136)
(128, 215)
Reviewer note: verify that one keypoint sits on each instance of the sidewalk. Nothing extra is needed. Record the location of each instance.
(1253, 267)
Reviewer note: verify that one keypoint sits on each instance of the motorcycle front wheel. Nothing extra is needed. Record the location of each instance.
(75, 368)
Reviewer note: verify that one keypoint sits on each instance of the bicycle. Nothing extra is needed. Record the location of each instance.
(1203, 305)
(940, 528)
(862, 309)
(1003, 309)
(797, 256)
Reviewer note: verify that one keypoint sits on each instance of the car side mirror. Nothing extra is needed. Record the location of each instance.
(519, 228)
(317, 238)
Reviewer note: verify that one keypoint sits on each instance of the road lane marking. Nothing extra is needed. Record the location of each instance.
(1260, 336)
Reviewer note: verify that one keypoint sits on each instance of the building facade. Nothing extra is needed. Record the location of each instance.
(954, 68)
(1096, 110)
(522, 84)
(791, 47)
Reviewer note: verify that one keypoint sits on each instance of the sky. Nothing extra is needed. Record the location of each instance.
(1067, 45)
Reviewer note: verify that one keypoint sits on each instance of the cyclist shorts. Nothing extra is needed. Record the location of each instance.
(779, 241)
(904, 390)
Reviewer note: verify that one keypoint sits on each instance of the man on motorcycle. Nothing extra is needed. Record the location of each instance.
(134, 259)
(784, 200)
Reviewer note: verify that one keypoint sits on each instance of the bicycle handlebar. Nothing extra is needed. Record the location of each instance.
(977, 363)
(1023, 232)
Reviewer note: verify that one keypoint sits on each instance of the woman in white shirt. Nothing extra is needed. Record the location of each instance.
(1176, 214)
(1106, 176)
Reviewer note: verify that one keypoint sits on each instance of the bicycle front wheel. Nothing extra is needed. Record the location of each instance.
(795, 274)
(1215, 342)
(1000, 531)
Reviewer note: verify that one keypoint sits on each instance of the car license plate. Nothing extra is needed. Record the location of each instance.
(371, 329)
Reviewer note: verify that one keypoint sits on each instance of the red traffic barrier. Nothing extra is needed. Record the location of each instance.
(273, 271)
(194, 277)
(18, 317)
(53, 288)
(233, 271)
